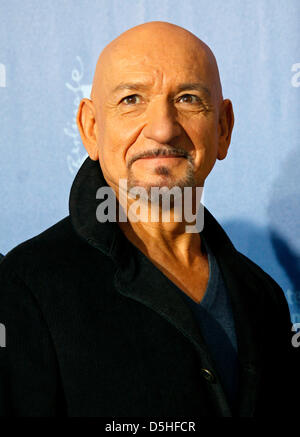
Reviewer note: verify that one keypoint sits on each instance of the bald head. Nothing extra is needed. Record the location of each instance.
(157, 43)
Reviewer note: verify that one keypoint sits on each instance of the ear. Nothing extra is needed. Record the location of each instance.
(226, 122)
(86, 123)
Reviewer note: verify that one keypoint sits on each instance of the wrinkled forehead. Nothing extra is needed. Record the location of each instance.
(171, 63)
(163, 61)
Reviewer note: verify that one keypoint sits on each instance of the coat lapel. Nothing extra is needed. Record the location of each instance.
(246, 301)
(164, 300)
(167, 302)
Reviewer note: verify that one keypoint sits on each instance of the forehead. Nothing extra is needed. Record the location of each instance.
(164, 66)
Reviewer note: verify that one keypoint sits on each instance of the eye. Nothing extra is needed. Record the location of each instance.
(131, 100)
(189, 98)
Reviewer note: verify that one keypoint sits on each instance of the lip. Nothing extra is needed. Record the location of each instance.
(153, 161)
(162, 157)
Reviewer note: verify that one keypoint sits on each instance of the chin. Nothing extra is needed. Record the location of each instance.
(163, 176)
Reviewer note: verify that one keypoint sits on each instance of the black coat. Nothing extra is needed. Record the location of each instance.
(93, 328)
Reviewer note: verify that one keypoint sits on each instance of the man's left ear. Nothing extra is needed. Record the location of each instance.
(226, 122)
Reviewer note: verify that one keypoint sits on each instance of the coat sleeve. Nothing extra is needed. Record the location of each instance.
(284, 381)
(287, 353)
(281, 382)
(29, 374)
(293, 350)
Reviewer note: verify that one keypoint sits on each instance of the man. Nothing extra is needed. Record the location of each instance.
(140, 317)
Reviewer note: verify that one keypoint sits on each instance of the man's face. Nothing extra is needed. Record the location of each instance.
(157, 115)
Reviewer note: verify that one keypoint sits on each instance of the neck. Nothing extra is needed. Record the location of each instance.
(165, 237)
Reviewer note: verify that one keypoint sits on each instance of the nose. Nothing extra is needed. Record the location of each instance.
(162, 126)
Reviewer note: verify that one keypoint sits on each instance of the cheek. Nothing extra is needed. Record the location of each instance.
(121, 132)
(115, 139)
(204, 137)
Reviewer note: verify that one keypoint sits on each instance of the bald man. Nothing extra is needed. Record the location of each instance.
(120, 314)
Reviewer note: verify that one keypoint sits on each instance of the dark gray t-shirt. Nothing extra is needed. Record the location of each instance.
(215, 319)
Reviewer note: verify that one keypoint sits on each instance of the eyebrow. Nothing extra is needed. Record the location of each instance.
(136, 86)
(194, 86)
(130, 86)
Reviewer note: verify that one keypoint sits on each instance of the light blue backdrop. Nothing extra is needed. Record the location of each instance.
(48, 51)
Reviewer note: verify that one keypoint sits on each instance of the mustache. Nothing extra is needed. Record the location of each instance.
(159, 152)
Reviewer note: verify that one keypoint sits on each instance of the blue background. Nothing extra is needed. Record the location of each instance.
(48, 52)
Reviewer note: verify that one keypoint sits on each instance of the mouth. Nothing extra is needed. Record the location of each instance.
(160, 154)
(162, 157)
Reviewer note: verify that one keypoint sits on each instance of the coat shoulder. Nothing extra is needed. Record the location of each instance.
(56, 235)
(263, 281)
(50, 249)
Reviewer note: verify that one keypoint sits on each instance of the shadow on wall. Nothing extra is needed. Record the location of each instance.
(276, 247)
(272, 253)
(284, 218)
(288, 258)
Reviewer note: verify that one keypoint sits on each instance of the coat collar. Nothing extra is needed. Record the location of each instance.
(106, 236)
(133, 279)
